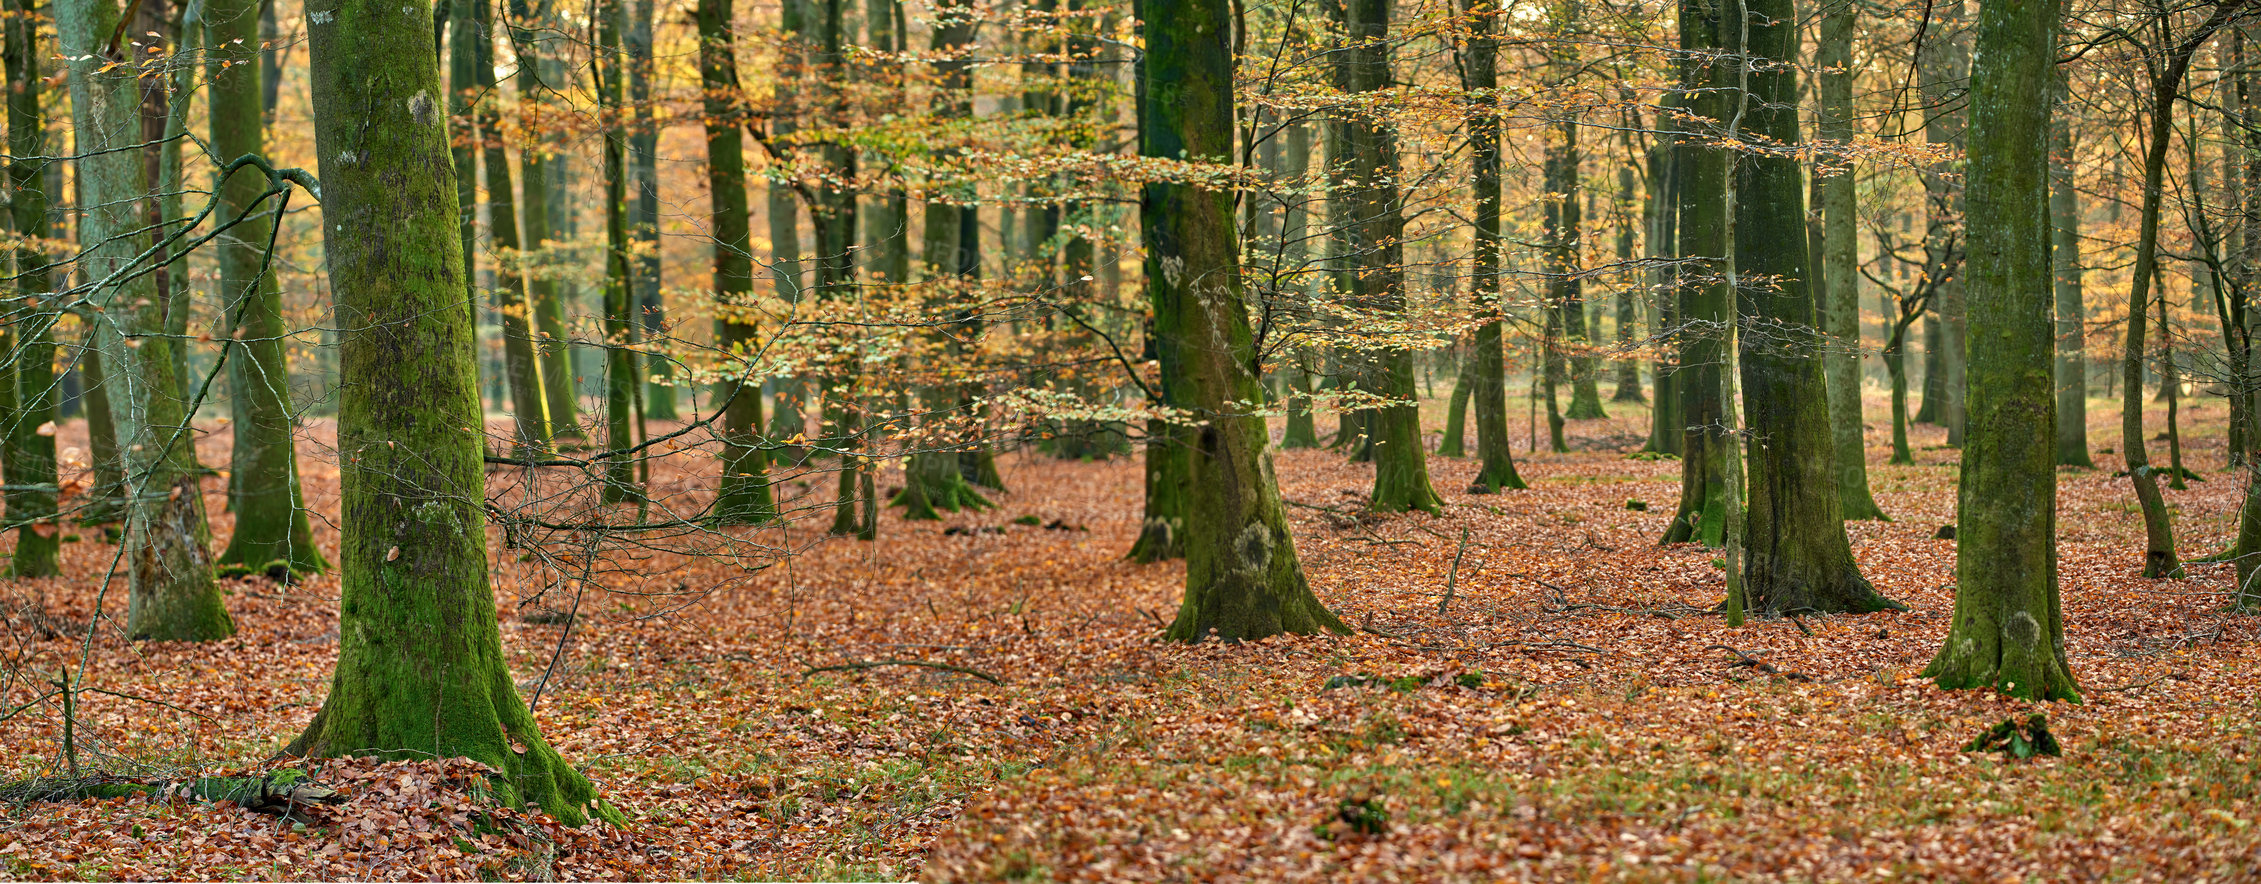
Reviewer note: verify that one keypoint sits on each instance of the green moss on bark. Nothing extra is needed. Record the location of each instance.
(420, 670)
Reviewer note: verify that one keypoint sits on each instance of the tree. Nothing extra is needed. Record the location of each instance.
(2008, 632)
(2166, 68)
(1401, 468)
(1838, 263)
(2065, 264)
(529, 402)
(537, 97)
(643, 226)
(1480, 75)
(30, 373)
(172, 593)
(420, 670)
(1243, 579)
(1800, 557)
(1942, 66)
(742, 496)
(271, 523)
(1705, 305)
(623, 374)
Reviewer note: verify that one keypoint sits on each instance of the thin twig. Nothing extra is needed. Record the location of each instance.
(874, 664)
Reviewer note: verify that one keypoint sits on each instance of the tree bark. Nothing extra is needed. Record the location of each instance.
(1839, 264)
(1705, 305)
(172, 594)
(529, 402)
(420, 670)
(1401, 469)
(743, 495)
(1243, 579)
(1480, 68)
(2065, 265)
(2008, 632)
(271, 523)
(643, 229)
(30, 374)
(1800, 557)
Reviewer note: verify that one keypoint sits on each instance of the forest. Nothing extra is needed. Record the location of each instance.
(1239, 440)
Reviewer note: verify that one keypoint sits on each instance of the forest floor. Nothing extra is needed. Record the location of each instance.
(1575, 711)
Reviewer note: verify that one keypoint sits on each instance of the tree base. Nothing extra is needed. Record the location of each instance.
(1159, 539)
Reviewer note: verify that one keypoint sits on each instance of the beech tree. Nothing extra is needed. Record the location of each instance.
(1800, 557)
(420, 671)
(28, 379)
(271, 523)
(2008, 632)
(172, 592)
(1243, 579)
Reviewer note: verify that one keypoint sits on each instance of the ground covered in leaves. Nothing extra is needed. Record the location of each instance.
(985, 698)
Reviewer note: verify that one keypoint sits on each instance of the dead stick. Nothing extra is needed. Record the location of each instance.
(874, 664)
(1453, 576)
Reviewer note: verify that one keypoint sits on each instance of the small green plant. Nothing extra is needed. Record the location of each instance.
(1028, 520)
(2018, 740)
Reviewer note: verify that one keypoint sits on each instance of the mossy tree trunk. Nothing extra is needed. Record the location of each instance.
(1800, 557)
(420, 669)
(172, 592)
(833, 213)
(1626, 298)
(2008, 631)
(1839, 263)
(1705, 308)
(2065, 264)
(271, 522)
(1243, 579)
(743, 495)
(30, 373)
(1487, 357)
(787, 420)
(1401, 468)
(1454, 442)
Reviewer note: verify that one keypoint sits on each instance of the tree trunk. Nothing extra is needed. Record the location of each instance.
(1401, 469)
(30, 465)
(1839, 265)
(1628, 303)
(2065, 263)
(1454, 442)
(420, 669)
(1480, 68)
(1566, 289)
(743, 496)
(2008, 632)
(172, 593)
(1660, 209)
(1705, 306)
(2159, 557)
(1800, 557)
(521, 362)
(1243, 579)
(537, 98)
(623, 376)
(787, 421)
(643, 229)
(271, 523)
(1942, 69)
